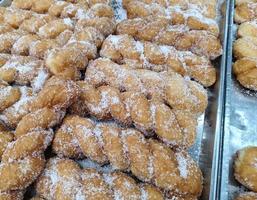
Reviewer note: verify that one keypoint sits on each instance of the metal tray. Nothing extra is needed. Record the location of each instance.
(240, 125)
(206, 149)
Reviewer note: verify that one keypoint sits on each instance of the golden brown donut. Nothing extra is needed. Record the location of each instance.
(15, 17)
(245, 1)
(208, 8)
(33, 24)
(192, 17)
(157, 29)
(58, 93)
(147, 55)
(105, 142)
(63, 8)
(23, 70)
(179, 93)
(8, 39)
(43, 118)
(90, 184)
(173, 127)
(22, 161)
(64, 144)
(247, 196)
(53, 28)
(26, 5)
(245, 170)
(60, 59)
(247, 29)
(245, 12)
(21, 46)
(8, 96)
(104, 24)
(13, 114)
(5, 138)
(245, 47)
(245, 70)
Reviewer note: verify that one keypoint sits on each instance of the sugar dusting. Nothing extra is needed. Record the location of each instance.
(182, 165)
(40, 80)
(166, 54)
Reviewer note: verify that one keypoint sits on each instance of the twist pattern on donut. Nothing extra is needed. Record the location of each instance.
(174, 127)
(147, 55)
(244, 49)
(192, 17)
(127, 149)
(58, 8)
(88, 183)
(157, 29)
(179, 93)
(206, 8)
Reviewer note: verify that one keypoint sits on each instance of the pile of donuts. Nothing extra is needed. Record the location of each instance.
(94, 107)
(245, 66)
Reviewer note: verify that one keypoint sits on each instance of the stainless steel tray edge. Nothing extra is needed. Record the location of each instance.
(219, 128)
(239, 120)
(224, 174)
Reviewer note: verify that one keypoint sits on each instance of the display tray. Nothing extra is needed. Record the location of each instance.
(240, 120)
(206, 149)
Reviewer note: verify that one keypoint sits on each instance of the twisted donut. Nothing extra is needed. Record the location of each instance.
(48, 26)
(124, 49)
(89, 183)
(207, 8)
(126, 149)
(245, 70)
(247, 196)
(58, 8)
(6, 137)
(192, 17)
(176, 128)
(177, 92)
(244, 1)
(157, 29)
(79, 47)
(58, 93)
(8, 95)
(23, 160)
(24, 70)
(13, 114)
(244, 167)
(245, 12)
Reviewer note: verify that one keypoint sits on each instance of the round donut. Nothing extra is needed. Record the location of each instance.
(245, 167)
(247, 196)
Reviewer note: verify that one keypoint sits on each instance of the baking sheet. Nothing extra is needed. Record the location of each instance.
(240, 128)
(205, 150)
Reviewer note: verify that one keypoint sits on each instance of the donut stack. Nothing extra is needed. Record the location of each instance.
(245, 66)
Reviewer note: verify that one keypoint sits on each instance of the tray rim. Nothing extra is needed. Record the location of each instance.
(224, 174)
(215, 185)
